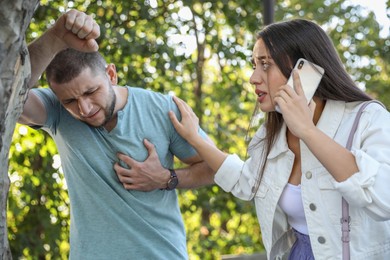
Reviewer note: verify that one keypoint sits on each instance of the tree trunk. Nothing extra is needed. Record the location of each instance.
(15, 70)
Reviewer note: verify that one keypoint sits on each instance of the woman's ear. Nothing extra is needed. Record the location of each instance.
(112, 75)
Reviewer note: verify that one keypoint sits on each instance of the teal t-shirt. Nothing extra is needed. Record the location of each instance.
(107, 221)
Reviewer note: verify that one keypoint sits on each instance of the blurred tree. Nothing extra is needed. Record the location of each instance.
(15, 71)
(198, 50)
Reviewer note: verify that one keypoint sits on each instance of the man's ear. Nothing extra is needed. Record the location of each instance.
(112, 75)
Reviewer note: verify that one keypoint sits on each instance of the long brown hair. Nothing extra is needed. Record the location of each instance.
(287, 42)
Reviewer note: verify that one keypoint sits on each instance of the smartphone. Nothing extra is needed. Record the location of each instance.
(310, 75)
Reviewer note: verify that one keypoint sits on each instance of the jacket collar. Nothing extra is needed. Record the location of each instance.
(331, 117)
(328, 123)
(280, 145)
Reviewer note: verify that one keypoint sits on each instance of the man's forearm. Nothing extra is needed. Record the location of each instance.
(194, 176)
(41, 52)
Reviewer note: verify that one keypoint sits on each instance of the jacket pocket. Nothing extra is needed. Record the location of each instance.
(262, 191)
(331, 199)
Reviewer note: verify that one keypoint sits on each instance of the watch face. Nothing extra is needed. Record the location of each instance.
(172, 183)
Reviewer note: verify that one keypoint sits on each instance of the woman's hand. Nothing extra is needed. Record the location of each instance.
(189, 125)
(188, 128)
(293, 104)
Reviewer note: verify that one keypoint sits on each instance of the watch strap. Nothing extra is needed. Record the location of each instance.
(173, 180)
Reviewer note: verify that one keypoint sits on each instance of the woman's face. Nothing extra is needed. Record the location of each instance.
(266, 77)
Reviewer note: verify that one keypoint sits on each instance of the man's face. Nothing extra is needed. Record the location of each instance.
(89, 97)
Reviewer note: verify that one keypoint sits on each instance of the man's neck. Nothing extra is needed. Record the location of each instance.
(121, 94)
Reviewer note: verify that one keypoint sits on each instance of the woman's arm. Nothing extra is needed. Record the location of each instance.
(338, 160)
(188, 129)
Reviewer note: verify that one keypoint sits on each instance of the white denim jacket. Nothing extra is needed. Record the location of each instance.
(367, 191)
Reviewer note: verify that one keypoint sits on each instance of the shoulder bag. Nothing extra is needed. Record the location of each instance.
(346, 219)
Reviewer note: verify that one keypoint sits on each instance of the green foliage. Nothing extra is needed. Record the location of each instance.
(218, 224)
(38, 208)
(198, 50)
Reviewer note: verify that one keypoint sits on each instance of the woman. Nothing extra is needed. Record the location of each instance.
(299, 169)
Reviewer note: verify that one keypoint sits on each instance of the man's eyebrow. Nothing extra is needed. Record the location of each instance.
(67, 100)
(89, 89)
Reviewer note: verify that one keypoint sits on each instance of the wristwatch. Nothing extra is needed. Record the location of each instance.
(173, 180)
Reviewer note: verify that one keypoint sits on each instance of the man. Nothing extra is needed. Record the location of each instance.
(91, 119)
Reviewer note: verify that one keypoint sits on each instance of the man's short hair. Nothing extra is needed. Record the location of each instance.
(69, 63)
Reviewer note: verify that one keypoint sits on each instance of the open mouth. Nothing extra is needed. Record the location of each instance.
(92, 115)
(259, 93)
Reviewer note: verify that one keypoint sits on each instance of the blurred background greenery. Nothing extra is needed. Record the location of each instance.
(200, 51)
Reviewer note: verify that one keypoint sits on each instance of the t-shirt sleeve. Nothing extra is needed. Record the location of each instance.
(52, 106)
